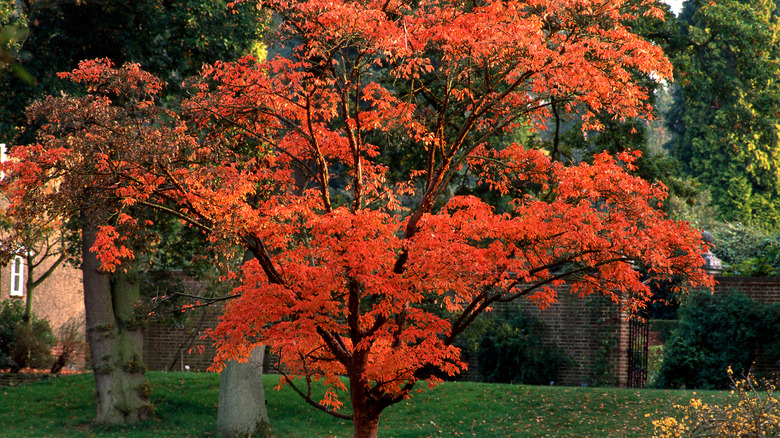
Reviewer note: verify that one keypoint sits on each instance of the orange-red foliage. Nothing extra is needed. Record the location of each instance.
(362, 267)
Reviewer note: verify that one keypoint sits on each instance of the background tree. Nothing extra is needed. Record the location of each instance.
(39, 243)
(174, 39)
(12, 33)
(283, 158)
(726, 55)
(568, 142)
(183, 251)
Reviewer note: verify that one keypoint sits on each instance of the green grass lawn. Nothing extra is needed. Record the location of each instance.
(186, 406)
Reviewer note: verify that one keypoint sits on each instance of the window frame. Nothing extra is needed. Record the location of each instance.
(17, 276)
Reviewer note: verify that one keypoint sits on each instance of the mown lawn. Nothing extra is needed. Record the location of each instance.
(186, 406)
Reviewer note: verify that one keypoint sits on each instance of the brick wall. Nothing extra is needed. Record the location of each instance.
(576, 325)
(579, 326)
(585, 329)
(763, 289)
(172, 348)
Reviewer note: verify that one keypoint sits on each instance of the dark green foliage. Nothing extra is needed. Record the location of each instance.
(171, 39)
(9, 318)
(512, 351)
(765, 265)
(735, 243)
(665, 300)
(32, 345)
(664, 327)
(725, 54)
(567, 142)
(715, 332)
(12, 32)
(23, 344)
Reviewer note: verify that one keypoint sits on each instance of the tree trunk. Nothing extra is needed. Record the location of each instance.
(115, 339)
(364, 426)
(32, 283)
(365, 414)
(29, 291)
(242, 409)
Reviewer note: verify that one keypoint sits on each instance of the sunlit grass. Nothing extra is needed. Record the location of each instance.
(186, 406)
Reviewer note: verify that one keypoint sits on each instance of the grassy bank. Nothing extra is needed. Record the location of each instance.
(186, 406)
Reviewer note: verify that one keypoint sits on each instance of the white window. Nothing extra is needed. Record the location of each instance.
(17, 276)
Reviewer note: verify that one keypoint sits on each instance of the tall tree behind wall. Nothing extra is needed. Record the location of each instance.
(726, 55)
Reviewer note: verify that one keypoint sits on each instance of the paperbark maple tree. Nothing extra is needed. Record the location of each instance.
(353, 275)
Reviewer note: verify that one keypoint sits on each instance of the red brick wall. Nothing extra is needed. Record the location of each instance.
(584, 328)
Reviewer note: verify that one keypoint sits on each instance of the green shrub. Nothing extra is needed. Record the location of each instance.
(716, 332)
(22, 344)
(511, 351)
(747, 250)
(11, 313)
(767, 264)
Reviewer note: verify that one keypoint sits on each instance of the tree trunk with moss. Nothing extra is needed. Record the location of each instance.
(115, 339)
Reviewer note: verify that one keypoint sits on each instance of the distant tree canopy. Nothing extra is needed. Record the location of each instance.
(565, 140)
